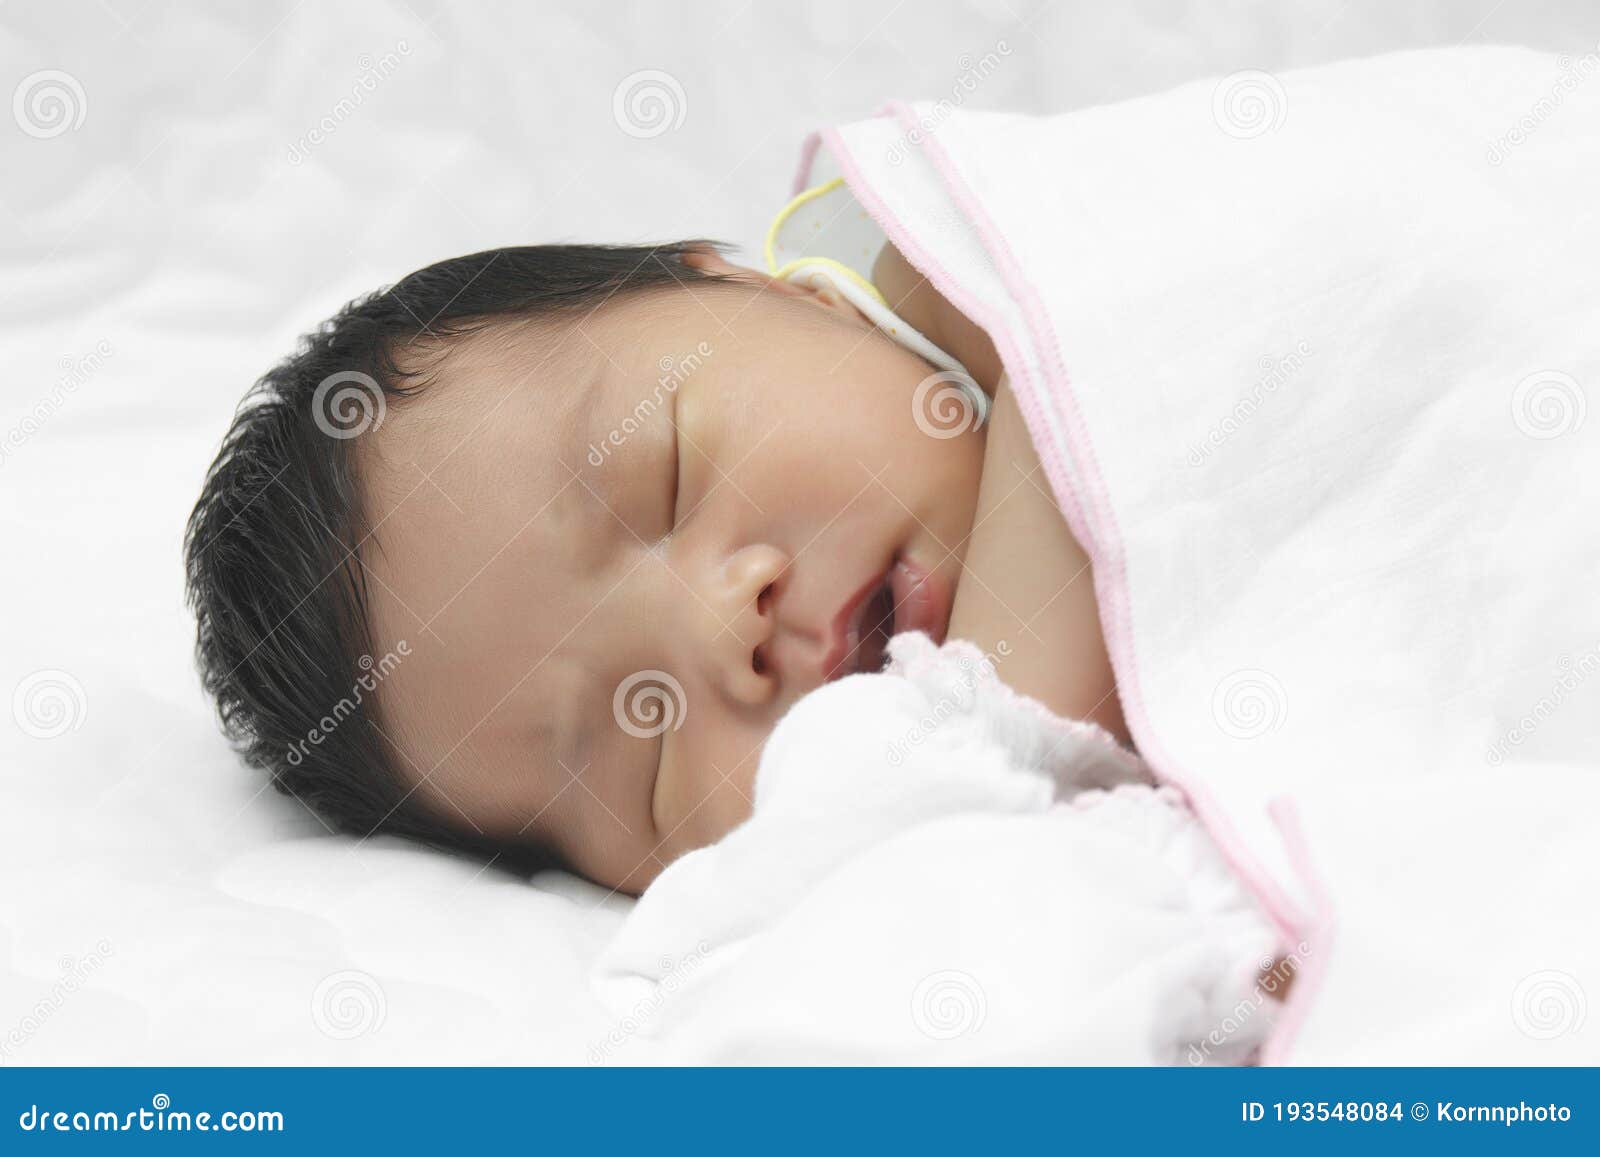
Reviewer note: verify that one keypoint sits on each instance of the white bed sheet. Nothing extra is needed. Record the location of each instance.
(156, 905)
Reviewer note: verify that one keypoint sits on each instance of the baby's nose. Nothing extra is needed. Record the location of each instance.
(745, 607)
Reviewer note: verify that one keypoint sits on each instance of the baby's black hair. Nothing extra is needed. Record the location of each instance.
(273, 549)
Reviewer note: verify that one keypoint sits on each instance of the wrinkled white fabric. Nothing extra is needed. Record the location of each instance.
(1310, 360)
(939, 870)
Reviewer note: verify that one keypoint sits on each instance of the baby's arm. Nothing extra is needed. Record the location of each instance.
(1025, 580)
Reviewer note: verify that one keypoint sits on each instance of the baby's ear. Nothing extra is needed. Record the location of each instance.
(818, 291)
(714, 263)
(711, 262)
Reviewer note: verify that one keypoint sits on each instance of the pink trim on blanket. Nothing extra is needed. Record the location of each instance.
(1104, 548)
(957, 295)
(1311, 964)
(808, 158)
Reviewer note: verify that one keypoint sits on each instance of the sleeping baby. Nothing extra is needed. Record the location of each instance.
(588, 482)
(689, 577)
(821, 606)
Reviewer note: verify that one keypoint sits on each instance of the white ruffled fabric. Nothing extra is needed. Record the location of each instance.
(1309, 367)
(940, 870)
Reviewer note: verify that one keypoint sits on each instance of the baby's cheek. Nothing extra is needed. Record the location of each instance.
(705, 784)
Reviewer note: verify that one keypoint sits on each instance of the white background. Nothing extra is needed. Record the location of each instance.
(155, 903)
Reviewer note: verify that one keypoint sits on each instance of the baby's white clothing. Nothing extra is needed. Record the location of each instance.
(951, 828)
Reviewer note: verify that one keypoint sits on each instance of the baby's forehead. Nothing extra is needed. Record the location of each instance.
(474, 393)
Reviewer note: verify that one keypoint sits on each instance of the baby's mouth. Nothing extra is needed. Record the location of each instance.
(906, 598)
(867, 637)
(861, 631)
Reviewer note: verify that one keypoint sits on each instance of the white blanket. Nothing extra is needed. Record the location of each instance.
(1308, 360)
(939, 871)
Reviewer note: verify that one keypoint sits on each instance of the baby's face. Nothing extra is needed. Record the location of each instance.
(620, 546)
